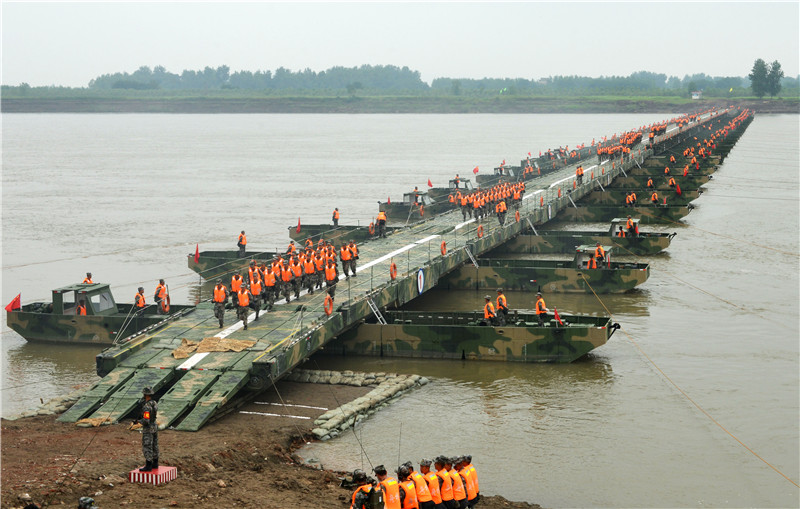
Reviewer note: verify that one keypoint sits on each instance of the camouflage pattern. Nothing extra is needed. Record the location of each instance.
(691, 181)
(337, 234)
(550, 242)
(616, 196)
(197, 387)
(465, 335)
(675, 170)
(219, 264)
(48, 322)
(547, 276)
(150, 446)
(648, 214)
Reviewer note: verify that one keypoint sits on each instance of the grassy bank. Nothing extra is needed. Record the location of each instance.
(237, 103)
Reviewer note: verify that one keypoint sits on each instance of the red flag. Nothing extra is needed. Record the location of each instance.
(678, 190)
(14, 304)
(529, 154)
(558, 318)
(389, 199)
(197, 253)
(475, 171)
(298, 225)
(503, 163)
(429, 183)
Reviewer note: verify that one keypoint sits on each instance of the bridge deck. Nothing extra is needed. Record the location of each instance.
(197, 386)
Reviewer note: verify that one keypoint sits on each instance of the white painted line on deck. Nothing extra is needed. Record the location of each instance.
(461, 225)
(289, 404)
(193, 360)
(397, 252)
(267, 414)
(532, 194)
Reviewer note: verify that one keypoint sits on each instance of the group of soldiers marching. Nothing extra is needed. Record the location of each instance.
(452, 483)
(287, 274)
(496, 199)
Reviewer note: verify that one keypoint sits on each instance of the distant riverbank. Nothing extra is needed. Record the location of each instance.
(382, 104)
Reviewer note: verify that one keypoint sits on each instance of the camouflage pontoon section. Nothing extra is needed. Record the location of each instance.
(552, 242)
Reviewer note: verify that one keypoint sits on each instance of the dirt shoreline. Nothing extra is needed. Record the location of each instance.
(241, 460)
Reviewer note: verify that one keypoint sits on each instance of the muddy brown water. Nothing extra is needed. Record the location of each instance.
(128, 196)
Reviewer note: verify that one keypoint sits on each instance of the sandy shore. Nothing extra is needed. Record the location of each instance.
(241, 460)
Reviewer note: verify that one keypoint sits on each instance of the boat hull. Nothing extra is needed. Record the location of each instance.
(37, 326)
(546, 276)
(647, 214)
(551, 242)
(467, 336)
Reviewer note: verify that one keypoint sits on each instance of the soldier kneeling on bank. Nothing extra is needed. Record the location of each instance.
(366, 496)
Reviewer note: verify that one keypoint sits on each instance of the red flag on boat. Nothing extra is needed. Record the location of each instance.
(389, 199)
(678, 189)
(429, 183)
(503, 163)
(298, 225)
(475, 171)
(14, 304)
(558, 318)
(529, 154)
(197, 253)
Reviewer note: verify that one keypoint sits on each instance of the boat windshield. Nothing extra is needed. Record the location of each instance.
(102, 301)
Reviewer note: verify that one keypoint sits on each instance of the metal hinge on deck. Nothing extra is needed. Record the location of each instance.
(531, 225)
(376, 311)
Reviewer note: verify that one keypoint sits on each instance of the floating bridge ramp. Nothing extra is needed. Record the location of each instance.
(196, 388)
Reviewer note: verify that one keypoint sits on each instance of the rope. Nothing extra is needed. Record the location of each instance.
(678, 388)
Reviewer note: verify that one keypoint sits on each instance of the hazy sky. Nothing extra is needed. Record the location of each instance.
(66, 43)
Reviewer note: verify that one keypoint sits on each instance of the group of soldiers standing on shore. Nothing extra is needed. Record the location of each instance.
(287, 274)
(452, 483)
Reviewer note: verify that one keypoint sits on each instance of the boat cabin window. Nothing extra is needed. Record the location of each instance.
(69, 302)
(102, 301)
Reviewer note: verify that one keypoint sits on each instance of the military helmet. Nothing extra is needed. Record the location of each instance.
(85, 503)
(359, 475)
(402, 472)
(147, 391)
(408, 465)
(141, 288)
(440, 460)
(538, 294)
(487, 297)
(499, 290)
(468, 458)
(219, 281)
(424, 463)
(380, 470)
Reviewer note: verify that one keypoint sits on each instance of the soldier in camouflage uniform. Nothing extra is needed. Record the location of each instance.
(220, 298)
(149, 431)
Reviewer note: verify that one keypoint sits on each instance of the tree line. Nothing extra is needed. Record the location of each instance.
(388, 79)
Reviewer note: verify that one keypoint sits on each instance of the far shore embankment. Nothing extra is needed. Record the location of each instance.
(383, 105)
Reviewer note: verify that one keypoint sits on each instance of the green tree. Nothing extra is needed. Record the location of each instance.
(774, 78)
(455, 87)
(758, 78)
(352, 87)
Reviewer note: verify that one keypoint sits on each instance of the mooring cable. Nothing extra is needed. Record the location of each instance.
(682, 392)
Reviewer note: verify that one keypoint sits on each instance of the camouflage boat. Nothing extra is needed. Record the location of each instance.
(549, 275)
(500, 173)
(415, 206)
(463, 185)
(335, 234)
(466, 335)
(214, 264)
(105, 321)
(691, 181)
(648, 214)
(676, 170)
(616, 196)
(549, 242)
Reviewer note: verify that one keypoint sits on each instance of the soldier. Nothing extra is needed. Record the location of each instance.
(345, 255)
(255, 292)
(297, 272)
(81, 309)
(335, 217)
(469, 482)
(474, 472)
(270, 287)
(88, 279)
(236, 284)
(382, 224)
(159, 296)
(309, 273)
(424, 497)
(331, 277)
(389, 486)
(433, 483)
(631, 226)
(353, 249)
(459, 491)
(149, 431)
(599, 253)
(488, 312)
(408, 492)
(286, 280)
(138, 300)
(242, 243)
(541, 309)
(445, 484)
(502, 307)
(243, 300)
(361, 495)
(219, 299)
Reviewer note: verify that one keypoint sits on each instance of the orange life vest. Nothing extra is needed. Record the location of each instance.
(423, 493)
(365, 488)
(459, 493)
(269, 279)
(391, 493)
(161, 291)
(286, 274)
(540, 306)
(242, 239)
(474, 474)
(236, 283)
(472, 492)
(139, 300)
(330, 272)
(219, 293)
(255, 287)
(433, 487)
(244, 297)
(501, 301)
(81, 311)
(345, 254)
(445, 485)
(410, 500)
(87, 281)
(488, 311)
(381, 216)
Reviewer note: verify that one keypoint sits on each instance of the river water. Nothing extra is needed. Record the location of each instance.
(127, 197)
